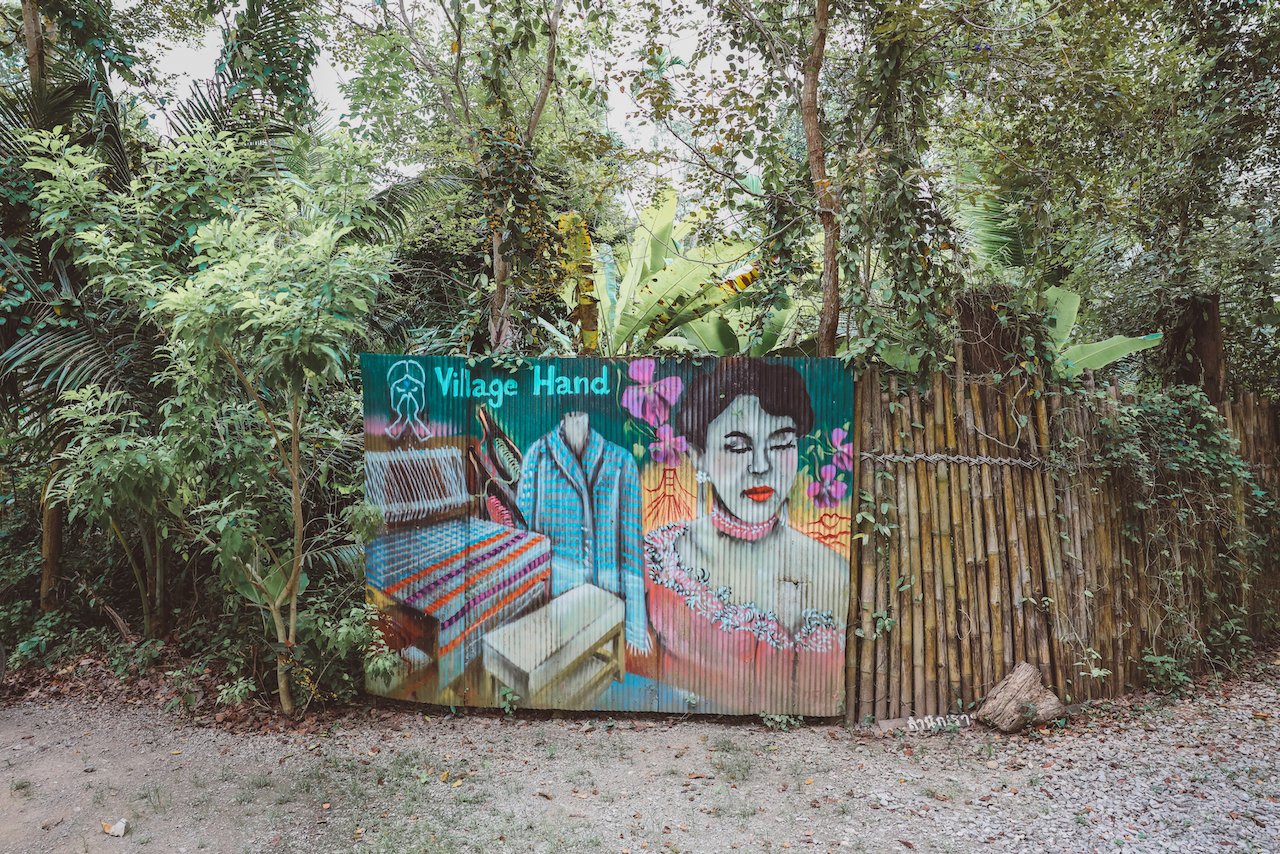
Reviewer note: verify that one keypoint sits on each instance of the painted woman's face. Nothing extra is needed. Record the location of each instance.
(751, 458)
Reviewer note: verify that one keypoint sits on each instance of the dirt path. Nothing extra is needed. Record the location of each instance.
(1193, 775)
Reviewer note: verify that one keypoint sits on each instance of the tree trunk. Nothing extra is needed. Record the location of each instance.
(139, 577)
(33, 32)
(501, 333)
(1196, 348)
(588, 312)
(51, 518)
(289, 635)
(160, 612)
(51, 524)
(500, 306)
(283, 688)
(988, 343)
(828, 201)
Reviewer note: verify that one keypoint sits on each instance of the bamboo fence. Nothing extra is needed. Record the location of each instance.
(986, 538)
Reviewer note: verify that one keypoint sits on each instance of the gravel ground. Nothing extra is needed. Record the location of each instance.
(1143, 775)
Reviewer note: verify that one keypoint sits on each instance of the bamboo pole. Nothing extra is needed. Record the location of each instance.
(1107, 575)
(1121, 592)
(887, 679)
(1255, 459)
(1001, 642)
(1133, 616)
(1002, 501)
(899, 640)
(1023, 613)
(860, 644)
(1093, 557)
(1050, 541)
(1073, 488)
(1146, 631)
(971, 639)
(1003, 420)
(1246, 437)
(986, 653)
(914, 571)
(1135, 524)
(927, 592)
(868, 397)
(944, 510)
(1039, 587)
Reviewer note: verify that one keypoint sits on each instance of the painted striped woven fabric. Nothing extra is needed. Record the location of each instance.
(465, 576)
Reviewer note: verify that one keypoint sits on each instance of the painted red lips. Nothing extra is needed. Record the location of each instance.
(759, 493)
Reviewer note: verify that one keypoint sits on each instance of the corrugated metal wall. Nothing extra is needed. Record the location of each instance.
(637, 535)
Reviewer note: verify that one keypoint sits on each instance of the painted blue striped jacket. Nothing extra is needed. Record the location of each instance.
(590, 509)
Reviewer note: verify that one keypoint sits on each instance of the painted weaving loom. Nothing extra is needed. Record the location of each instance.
(417, 485)
(463, 576)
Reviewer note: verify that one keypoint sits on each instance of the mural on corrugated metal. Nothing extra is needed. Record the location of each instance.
(647, 535)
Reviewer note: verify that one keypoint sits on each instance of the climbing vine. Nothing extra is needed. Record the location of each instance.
(1205, 522)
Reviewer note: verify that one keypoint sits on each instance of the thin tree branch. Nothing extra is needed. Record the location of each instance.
(262, 406)
(422, 58)
(549, 73)
(455, 24)
(770, 45)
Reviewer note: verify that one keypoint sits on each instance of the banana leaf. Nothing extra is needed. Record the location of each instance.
(695, 276)
(1099, 354)
(649, 248)
(1065, 308)
(781, 315)
(712, 335)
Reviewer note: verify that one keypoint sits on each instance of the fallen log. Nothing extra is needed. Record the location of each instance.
(1020, 700)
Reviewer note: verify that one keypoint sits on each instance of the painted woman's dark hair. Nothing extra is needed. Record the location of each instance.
(780, 388)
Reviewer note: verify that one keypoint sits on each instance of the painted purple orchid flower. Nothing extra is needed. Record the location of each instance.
(669, 448)
(650, 400)
(843, 457)
(828, 490)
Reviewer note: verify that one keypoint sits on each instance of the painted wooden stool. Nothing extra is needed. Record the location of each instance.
(563, 654)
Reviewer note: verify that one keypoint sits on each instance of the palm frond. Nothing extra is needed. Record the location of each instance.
(340, 558)
(396, 208)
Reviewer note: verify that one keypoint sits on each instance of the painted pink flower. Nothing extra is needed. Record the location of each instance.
(650, 400)
(828, 490)
(843, 457)
(669, 447)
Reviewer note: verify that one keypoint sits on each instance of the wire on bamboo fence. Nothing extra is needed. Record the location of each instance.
(977, 549)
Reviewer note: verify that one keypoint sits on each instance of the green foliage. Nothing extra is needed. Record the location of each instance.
(337, 645)
(1132, 175)
(508, 700)
(179, 310)
(1088, 665)
(514, 189)
(252, 310)
(501, 94)
(1166, 673)
(672, 294)
(19, 559)
(1172, 451)
(1075, 359)
(267, 55)
(782, 723)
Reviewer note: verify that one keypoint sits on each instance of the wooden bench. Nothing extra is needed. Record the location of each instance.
(563, 654)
